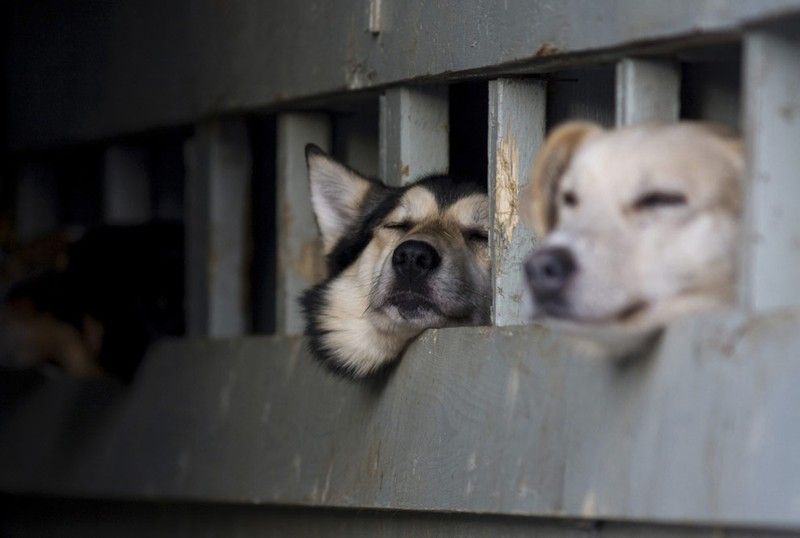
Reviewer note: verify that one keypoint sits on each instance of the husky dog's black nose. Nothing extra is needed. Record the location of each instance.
(415, 259)
(548, 271)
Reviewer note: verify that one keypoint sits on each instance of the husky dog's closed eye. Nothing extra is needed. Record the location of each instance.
(639, 226)
(400, 260)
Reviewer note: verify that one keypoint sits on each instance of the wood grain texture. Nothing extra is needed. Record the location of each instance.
(300, 256)
(516, 131)
(487, 420)
(174, 63)
(771, 257)
(218, 170)
(414, 134)
(647, 90)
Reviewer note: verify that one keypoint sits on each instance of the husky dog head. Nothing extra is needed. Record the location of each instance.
(639, 225)
(400, 260)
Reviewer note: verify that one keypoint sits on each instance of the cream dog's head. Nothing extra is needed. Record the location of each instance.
(639, 225)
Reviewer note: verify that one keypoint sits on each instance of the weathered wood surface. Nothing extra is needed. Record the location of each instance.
(414, 129)
(300, 256)
(772, 106)
(174, 63)
(516, 131)
(491, 420)
(647, 90)
(218, 169)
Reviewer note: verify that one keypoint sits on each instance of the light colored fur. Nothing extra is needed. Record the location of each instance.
(330, 180)
(672, 259)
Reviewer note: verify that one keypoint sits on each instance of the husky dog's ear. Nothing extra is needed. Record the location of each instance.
(551, 163)
(336, 194)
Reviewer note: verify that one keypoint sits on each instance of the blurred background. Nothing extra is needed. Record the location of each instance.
(156, 230)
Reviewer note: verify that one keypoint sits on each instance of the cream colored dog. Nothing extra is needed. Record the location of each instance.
(639, 226)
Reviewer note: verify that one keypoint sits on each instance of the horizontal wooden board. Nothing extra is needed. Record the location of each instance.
(488, 420)
(102, 69)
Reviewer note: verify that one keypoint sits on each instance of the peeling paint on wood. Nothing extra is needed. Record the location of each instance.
(506, 189)
(516, 129)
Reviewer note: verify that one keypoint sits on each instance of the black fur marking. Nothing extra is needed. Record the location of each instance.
(313, 302)
(448, 190)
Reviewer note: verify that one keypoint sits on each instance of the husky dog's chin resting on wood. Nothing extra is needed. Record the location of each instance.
(639, 227)
(399, 260)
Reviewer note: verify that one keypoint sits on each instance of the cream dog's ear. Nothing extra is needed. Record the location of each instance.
(539, 197)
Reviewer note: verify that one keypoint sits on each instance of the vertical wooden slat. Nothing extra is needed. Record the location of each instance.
(37, 205)
(300, 258)
(771, 257)
(517, 115)
(647, 90)
(217, 184)
(126, 185)
(414, 133)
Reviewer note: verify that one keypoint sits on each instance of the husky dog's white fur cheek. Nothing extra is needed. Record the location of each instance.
(361, 346)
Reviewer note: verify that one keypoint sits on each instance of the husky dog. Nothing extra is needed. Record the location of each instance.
(399, 260)
(639, 226)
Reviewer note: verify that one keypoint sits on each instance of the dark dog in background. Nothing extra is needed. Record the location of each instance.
(95, 302)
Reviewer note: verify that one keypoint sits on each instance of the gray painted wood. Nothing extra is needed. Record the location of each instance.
(171, 63)
(516, 130)
(772, 107)
(300, 256)
(414, 133)
(37, 203)
(218, 166)
(647, 89)
(489, 420)
(126, 185)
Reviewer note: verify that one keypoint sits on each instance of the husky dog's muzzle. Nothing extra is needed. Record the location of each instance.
(413, 263)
